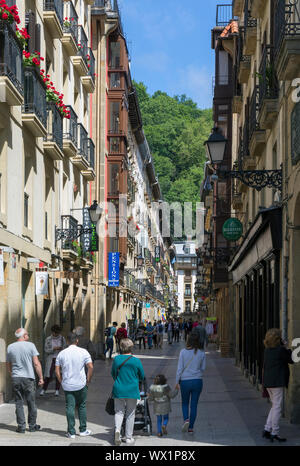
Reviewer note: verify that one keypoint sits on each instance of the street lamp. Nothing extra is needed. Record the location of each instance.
(257, 179)
(140, 262)
(95, 212)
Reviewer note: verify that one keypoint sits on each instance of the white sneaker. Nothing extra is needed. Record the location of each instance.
(42, 393)
(56, 393)
(130, 441)
(85, 433)
(117, 438)
(70, 435)
(185, 426)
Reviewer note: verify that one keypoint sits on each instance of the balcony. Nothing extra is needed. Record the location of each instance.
(224, 15)
(53, 142)
(268, 90)
(80, 160)
(34, 108)
(250, 31)
(11, 66)
(53, 17)
(80, 61)
(70, 134)
(89, 173)
(257, 135)
(69, 251)
(88, 81)
(237, 102)
(70, 28)
(244, 69)
(287, 40)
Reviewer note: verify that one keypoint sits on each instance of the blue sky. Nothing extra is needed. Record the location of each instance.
(170, 45)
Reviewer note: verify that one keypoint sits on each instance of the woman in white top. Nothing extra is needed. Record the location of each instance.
(191, 365)
(53, 345)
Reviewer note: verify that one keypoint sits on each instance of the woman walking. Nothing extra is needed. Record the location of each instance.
(191, 365)
(140, 335)
(127, 372)
(275, 377)
(53, 345)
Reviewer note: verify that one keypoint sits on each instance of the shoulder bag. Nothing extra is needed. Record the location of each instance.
(110, 404)
(190, 361)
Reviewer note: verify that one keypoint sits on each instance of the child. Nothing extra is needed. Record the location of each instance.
(160, 393)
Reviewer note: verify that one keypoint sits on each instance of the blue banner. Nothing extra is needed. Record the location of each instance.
(113, 269)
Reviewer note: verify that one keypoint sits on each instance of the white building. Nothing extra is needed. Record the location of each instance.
(186, 271)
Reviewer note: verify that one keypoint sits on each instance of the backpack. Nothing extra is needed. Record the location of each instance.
(107, 331)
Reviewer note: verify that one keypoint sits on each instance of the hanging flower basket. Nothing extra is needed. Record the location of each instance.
(9, 13)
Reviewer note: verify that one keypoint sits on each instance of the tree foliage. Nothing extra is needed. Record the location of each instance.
(176, 130)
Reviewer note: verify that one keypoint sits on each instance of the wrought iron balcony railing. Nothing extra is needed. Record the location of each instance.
(35, 95)
(11, 58)
(82, 140)
(54, 125)
(287, 21)
(91, 64)
(224, 15)
(268, 82)
(249, 21)
(70, 130)
(70, 24)
(69, 226)
(82, 44)
(57, 6)
(90, 152)
(254, 112)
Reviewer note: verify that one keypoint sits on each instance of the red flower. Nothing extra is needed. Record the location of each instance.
(4, 16)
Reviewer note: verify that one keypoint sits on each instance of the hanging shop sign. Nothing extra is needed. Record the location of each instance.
(232, 229)
(41, 282)
(113, 269)
(89, 239)
(157, 253)
(1, 268)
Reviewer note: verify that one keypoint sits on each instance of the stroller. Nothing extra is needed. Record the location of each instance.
(142, 419)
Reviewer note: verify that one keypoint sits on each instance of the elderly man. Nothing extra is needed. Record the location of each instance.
(22, 359)
(69, 369)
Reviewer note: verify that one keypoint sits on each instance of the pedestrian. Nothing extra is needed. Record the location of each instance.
(84, 342)
(160, 393)
(170, 331)
(160, 334)
(110, 333)
(191, 365)
(149, 332)
(201, 334)
(70, 370)
(22, 363)
(277, 358)
(121, 333)
(53, 345)
(127, 372)
(154, 336)
(185, 329)
(176, 331)
(140, 335)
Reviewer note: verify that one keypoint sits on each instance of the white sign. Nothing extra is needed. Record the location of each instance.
(41, 283)
(1, 268)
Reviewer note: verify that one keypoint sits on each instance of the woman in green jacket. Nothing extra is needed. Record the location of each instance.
(127, 372)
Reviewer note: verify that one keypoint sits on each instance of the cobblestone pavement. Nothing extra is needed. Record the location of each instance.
(231, 411)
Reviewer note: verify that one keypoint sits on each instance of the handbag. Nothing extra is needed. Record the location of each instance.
(110, 404)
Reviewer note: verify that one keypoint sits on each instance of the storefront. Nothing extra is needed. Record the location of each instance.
(256, 282)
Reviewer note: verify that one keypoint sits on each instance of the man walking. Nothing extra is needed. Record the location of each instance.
(70, 371)
(201, 334)
(160, 334)
(22, 359)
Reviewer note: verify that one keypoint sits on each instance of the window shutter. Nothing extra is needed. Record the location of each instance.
(37, 39)
(30, 26)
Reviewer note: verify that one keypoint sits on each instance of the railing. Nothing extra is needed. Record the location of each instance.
(90, 152)
(254, 111)
(287, 21)
(11, 58)
(71, 127)
(54, 125)
(249, 21)
(91, 64)
(35, 95)
(82, 44)
(82, 140)
(268, 82)
(70, 25)
(57, 6)
(69, 223)
(224, 15)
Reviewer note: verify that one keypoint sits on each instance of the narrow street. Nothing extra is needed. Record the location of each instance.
(231, 412)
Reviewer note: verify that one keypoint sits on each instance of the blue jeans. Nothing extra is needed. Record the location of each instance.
(162, 420)
(150, 344)
(109, 346)
(190, 393)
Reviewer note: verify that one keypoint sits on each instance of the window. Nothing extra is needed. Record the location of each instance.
(26, 211)
(115, 80)
(114, 117)
(115, 54)
(188, 291)
(114, 179)
(188, 306)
